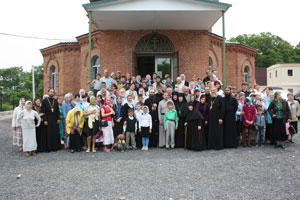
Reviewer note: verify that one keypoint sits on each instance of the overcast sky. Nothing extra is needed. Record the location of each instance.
(66, 19)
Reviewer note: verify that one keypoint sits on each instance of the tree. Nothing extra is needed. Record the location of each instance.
(15, 84)
(297, 52)
(271, 48)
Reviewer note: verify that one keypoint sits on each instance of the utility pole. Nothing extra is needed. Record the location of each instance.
(33, 84)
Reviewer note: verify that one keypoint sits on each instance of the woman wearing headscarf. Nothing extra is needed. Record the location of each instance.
(92, 112)
(65, 108)
(40, 138)
(16, 127)
(195, 138)
(118, 117)
(194, 101)
(281, 114)
(106, 113)
(27, 120)
(203, 109)
(269, 135)
(175, 97)
(74, 125)
(181, 108)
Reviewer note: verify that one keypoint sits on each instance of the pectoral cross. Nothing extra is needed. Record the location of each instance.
(52, 109)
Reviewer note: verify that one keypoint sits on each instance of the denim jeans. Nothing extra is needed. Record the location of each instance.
(145, 141)
(260, 136)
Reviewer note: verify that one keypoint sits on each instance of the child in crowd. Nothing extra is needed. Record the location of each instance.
(145, 127)
(170, 124)
(260, 125)
(120, 145)
(129, 129)
(138, 113)
(248, 120)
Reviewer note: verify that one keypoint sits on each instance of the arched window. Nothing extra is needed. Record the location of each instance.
(247, 74)
(211, 64)
(52, 77)
(95, 66)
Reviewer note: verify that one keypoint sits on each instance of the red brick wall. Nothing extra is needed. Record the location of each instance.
(115, 50)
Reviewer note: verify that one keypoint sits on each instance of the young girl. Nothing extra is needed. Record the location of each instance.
(26, 119)
(145, 127)
(248, 120)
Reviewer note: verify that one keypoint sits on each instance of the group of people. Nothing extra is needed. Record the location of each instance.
(134, 112)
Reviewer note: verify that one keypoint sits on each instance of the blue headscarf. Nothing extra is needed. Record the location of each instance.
(250, 100)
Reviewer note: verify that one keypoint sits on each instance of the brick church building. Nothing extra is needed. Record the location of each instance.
(143, 36)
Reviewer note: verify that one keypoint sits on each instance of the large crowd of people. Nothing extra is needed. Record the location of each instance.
(133, 112)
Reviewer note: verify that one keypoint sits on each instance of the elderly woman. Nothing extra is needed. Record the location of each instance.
(17, 129)
(295, 112)
(269, 136)
(74, 125)
(27, 120)
(281, 114)
(179, 85)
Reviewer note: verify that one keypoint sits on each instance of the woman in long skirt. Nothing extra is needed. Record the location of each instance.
(281, 114)
(106, 114)
(39, 137)
(74, 125)
(16, 128)
(181, 108)
(27, 120)
(195, 134)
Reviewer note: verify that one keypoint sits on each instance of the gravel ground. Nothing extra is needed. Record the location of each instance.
(243, 173)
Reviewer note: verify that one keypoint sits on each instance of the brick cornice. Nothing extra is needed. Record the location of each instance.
(59, 48)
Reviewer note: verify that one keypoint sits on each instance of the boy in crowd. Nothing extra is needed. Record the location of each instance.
(260, 124)
(129, 129)
(170, 125)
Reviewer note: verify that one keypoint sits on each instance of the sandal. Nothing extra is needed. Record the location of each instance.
(94, 151)
(27, 154)
(87, 151)
(33, 153)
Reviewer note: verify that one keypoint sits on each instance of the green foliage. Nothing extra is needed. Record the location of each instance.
(271, 49)
(16, 83)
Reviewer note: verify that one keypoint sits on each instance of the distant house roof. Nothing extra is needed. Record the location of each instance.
(261, 75)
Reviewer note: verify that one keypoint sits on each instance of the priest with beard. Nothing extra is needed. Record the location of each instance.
(231, 106)
(152, 103)
(51, 121)
(215, 120)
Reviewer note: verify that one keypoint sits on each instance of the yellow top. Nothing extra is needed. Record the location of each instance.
(71, 118)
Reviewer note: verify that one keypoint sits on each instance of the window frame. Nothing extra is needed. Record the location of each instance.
(291, 71)
(52, 77)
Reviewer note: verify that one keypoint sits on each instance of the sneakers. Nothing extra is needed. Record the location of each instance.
(143, 149)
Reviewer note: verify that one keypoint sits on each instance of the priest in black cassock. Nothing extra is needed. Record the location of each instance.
(152, 103)
(51, 121)
(215, 120)
(231, 106)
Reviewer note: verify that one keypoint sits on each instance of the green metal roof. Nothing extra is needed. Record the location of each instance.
(109, 1)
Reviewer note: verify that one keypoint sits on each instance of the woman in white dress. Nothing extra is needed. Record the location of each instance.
(26, 119)
(17, 130)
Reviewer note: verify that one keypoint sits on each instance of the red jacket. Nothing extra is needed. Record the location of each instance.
(249, 114)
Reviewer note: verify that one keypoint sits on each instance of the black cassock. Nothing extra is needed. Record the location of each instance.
(40, 137)
(50, 133)
(215, 130)
(195, 139)
(153, 139)
(181, 108)
(230, 134)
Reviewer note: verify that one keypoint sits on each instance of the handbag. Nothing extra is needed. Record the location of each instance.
(103, 124)
(292, 130)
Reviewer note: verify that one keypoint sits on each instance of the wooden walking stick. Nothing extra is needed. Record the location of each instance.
(185, 136)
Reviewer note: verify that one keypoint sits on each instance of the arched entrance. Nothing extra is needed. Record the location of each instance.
(155, 52)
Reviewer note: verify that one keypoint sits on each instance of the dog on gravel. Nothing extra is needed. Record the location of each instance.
(120, 145)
